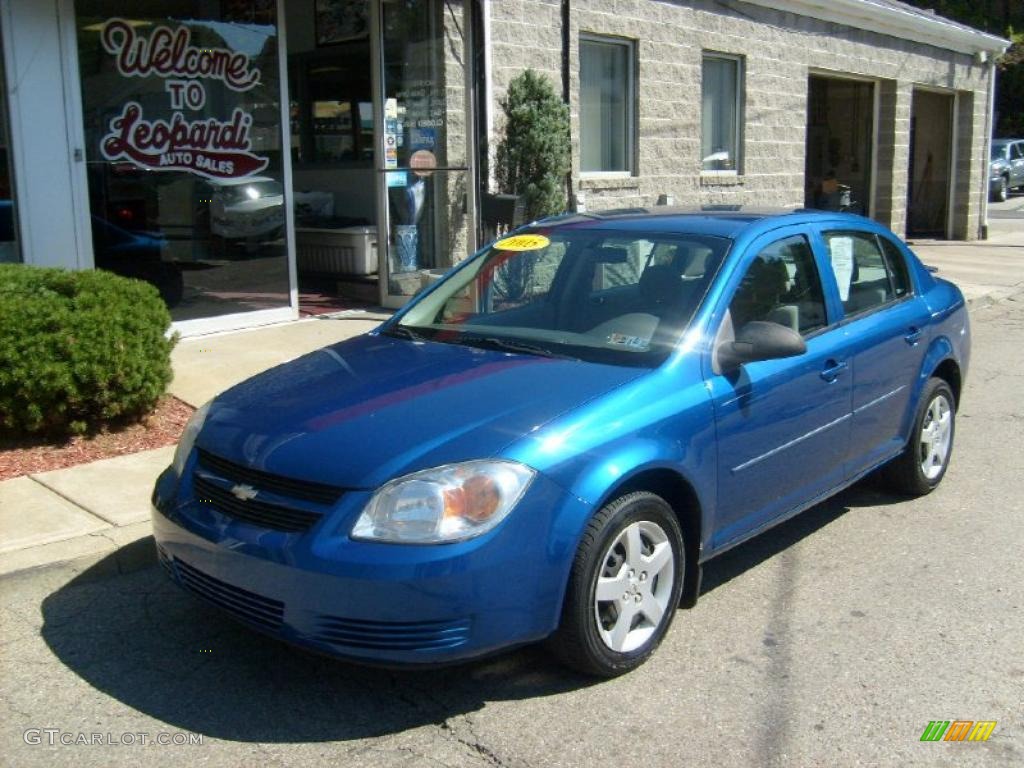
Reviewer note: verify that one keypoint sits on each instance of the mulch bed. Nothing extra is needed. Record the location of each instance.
(162, 427)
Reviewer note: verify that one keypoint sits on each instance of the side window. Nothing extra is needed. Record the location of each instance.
(1015, 152)
(897, 265)
(781, 286)
(860, 270)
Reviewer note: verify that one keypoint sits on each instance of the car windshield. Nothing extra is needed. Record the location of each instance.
(999, 151)
(622, 298)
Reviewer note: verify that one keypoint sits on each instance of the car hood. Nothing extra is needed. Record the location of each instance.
(361, 412)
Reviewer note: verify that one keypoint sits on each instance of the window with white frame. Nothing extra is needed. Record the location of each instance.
(607, 111)
(721, 113)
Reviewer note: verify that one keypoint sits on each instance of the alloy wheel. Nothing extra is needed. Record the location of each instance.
(936, 437)
(634, 586)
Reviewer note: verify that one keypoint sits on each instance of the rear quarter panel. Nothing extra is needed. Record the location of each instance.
(949, 336)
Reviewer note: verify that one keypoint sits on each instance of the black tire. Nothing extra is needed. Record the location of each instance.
(578, 642)
(1002, 193)
(905, 473)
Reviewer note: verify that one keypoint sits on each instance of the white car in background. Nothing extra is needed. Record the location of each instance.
(250, 208)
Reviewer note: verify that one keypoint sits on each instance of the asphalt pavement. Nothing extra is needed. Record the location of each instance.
(1013, 208)
(832, 640)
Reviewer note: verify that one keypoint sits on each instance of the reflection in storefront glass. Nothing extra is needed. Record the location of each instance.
(424, 130)
(184, 150)
(9, 251)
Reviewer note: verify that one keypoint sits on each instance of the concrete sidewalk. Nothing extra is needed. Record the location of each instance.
(92, 510)
(986, 270)
(95, 509)
(207, 365)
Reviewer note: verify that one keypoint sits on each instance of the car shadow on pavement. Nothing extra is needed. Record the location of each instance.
(141, 640)
(734, 562)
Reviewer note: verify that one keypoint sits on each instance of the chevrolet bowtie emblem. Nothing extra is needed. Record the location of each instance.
(244, 492)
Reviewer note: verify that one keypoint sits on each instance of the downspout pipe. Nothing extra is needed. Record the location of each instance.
(990, 128)
(567, 97)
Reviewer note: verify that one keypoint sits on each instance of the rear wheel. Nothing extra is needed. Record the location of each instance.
(923, 463)
(624, 588)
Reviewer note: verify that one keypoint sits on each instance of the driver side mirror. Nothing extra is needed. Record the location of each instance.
(760, 340)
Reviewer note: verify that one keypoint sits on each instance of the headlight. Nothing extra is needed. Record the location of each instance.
(188, 438)
(449, 503)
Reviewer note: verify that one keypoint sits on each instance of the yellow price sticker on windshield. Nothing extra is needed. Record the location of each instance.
(523, 243)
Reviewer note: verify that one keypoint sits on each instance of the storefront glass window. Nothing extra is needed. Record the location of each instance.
(9, 251)
(332, 141)
(425, 164)
(182, 121)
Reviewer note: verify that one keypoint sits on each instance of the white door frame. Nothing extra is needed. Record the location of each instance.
(76, 133)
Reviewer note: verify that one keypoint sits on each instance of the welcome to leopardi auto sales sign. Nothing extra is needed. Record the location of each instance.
(216, 149)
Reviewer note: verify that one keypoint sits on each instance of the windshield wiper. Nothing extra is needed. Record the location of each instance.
(403, 332)
(511, 345)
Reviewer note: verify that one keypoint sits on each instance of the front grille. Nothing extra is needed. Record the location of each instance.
(240, 603)
(393, 636)
(319, 493)
(253, 511)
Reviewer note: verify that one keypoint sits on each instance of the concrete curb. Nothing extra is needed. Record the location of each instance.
(85, 551)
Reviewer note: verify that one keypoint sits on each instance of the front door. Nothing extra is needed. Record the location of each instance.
(783, 425)
(425, 197)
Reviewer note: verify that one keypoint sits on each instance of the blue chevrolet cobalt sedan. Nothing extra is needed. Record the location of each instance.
(550, 442)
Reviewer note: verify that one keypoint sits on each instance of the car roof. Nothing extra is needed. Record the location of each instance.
(716, 220)
(1003, 142)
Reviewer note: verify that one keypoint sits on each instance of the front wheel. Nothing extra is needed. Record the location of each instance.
(923, 463)
(626, 581)
(1002, 193)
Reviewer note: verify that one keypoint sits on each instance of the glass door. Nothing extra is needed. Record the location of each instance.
(426, 201)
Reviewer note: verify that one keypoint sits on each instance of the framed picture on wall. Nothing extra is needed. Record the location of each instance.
(341, 20)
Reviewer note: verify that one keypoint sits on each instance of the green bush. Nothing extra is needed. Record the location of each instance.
(78, 350)
(533, 154)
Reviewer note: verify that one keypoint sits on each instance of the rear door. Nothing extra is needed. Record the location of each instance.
(782, 425)
(886, 324)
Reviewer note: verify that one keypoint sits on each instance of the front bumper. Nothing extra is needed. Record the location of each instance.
(373, 602)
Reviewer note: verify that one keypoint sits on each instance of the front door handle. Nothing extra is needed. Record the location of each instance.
(913, 335)
(832, 370)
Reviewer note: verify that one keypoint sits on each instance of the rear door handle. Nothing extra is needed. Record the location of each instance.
(913, 336)
(832, 370)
